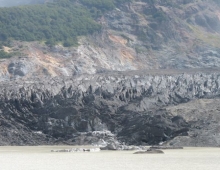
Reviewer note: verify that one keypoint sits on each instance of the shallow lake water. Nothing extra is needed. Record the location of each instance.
(41, 158)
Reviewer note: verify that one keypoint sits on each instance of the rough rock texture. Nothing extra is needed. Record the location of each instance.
(138, 108)
(203, 115)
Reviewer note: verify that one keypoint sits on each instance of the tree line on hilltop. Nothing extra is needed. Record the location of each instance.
(58, 22)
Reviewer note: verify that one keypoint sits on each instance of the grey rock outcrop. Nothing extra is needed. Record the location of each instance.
(134, 107)
(18, 68)
(150, 151)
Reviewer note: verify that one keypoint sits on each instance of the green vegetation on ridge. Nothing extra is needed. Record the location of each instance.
(3, 54)
(60, 21)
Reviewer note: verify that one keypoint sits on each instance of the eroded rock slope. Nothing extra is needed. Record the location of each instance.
(140, 34)
(138, 107)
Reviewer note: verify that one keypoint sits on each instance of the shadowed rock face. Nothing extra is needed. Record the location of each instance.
(134, 106)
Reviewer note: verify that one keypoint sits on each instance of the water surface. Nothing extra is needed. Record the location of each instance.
(40, 158)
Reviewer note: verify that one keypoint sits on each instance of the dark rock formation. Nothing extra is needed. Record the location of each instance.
(134, 107)
(18, 69)
(150, 151)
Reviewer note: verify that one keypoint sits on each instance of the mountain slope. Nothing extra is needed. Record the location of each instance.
(135, 35)
(51, 94)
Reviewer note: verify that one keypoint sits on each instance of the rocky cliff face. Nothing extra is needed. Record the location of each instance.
(137, 107)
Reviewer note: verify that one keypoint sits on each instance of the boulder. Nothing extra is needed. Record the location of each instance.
(150, 151)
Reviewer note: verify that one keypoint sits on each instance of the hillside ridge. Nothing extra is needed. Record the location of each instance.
(135, 72)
